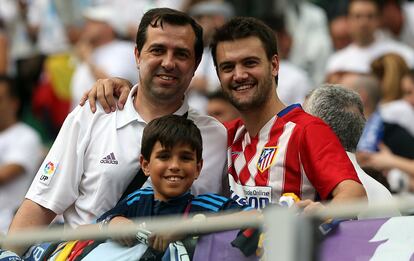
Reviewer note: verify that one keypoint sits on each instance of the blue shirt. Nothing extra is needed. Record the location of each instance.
(141, 203)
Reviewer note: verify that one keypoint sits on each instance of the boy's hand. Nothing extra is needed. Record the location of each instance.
(161, 242)
(105, 90)
(125, 241)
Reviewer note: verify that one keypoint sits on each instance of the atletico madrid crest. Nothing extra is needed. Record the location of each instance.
(266, 158)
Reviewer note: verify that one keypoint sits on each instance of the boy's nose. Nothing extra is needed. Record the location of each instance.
(174, 165)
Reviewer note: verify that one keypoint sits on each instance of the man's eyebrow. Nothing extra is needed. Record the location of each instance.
(243, 60)
(225, 63)
(157, 45)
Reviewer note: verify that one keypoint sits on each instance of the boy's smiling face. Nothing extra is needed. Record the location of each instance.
(172, 171)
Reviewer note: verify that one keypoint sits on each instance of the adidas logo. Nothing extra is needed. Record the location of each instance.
(109, 159)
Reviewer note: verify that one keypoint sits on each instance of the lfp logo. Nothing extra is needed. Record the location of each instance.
(49, 168)
(48, 171)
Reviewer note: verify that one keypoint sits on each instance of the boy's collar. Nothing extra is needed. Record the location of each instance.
(179, 199)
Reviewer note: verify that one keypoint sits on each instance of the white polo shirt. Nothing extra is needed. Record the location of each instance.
(95, 157)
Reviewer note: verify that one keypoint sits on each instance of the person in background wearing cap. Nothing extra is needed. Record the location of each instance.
(94, 158)
(210, 15)
(101, 54)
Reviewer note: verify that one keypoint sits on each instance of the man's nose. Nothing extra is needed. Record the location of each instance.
(168, 62)
(239, 74)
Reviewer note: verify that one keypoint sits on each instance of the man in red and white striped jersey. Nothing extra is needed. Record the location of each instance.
(274, 149)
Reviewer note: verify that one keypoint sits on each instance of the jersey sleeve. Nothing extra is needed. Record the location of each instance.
(324, 159)
(56, 184)
(215, 203)
(121, 209)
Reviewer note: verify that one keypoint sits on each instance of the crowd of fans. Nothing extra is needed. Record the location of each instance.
(52, 52)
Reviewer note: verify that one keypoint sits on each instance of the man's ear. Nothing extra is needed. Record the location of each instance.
(137, 57)
(199, 167)
(144, 165)
(275, 65)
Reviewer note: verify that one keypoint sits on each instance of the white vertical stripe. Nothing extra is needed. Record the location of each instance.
(264, 136)
(277, 171)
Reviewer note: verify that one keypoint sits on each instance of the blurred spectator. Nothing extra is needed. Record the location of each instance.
(395, 156)
(25, 63)
(387, 123)
(363, 20)
(401, 111)
(220, 107)
(293, 82)
(100, 53)
(342, 109)
(20, 156)
(339, 31)
(4, 51)
(210, 15)
(385, 160)
(398, 21)
(307, 24)
(44, 19)
(389, 69)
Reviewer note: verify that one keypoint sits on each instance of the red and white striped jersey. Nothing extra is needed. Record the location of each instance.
(293, 152)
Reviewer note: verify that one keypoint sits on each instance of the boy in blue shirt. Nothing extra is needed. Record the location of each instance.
(171, 156)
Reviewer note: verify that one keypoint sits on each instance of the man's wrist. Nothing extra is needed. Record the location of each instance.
(104, 223)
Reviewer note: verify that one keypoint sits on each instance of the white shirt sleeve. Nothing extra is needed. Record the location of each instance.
(56, 185)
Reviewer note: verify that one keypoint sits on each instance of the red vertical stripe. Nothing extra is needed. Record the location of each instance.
(249, 153)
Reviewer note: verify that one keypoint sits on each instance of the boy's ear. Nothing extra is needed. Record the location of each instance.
(144, 165)
(199, 167)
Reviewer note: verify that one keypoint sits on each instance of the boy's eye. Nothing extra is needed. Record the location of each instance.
(163, 156)
(187, 157)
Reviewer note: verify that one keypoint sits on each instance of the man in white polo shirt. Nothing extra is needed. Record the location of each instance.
(95, 156)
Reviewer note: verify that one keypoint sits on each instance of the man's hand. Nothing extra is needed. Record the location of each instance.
(105, 90)
(309, 206)
(161, 242)
(127, 240)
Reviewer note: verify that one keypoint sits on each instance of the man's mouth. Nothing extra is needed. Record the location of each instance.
(166, 77)
(243, 87)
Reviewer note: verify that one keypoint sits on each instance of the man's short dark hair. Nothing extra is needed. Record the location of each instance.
(243, 27)
(218, 95)
(170, 131)
(158, 16)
